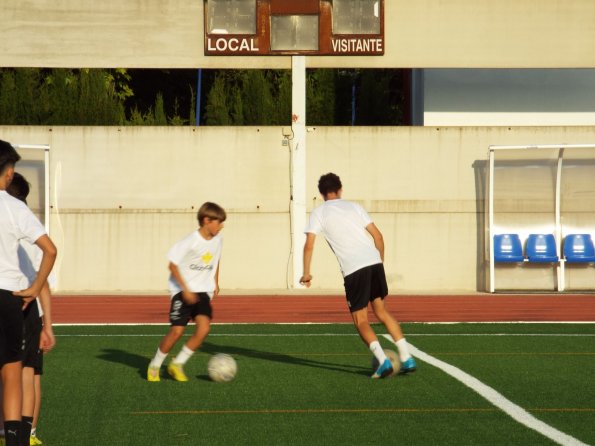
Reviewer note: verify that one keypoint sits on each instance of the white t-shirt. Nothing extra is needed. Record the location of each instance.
(343, 224)
(17, 222)
(197, 260)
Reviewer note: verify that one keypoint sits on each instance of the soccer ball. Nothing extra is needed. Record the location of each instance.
(222, 368)
(393, 357)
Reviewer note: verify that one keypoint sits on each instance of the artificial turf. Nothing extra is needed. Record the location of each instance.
(309, 384)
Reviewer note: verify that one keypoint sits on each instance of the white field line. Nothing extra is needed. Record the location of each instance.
(256, 335)
(239, 335)
(514, 411)
(140, 324)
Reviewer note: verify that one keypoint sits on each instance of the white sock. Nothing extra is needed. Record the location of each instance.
(158, 359)
(403, 350)
(376, 349)
(183, 356)
(33, 431)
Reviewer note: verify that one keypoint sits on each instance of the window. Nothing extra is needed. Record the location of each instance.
(356, 17)
(231, 16)
(294, 33)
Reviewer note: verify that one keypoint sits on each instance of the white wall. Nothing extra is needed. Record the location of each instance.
(121, 196)
(509, 97)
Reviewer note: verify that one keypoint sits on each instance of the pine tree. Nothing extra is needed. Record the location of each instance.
(216, 110)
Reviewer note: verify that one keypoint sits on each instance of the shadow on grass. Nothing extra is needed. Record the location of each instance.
(132, 360)
(283, 358)
(140, 363)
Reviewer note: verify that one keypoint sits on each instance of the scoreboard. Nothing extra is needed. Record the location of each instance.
(294, 27)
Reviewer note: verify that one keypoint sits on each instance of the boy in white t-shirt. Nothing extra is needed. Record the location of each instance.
(347, 228)
(17, 222)
(39, 335)
(194, 281)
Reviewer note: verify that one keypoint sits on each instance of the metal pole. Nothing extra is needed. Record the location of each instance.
(46, 170)
(298, 165)
(558, 231)
(491, 222)
(353, 91)
(198, 97)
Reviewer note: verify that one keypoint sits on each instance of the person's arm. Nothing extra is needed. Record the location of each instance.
(47, 262)
(306, 278)
(188, 296)
(217, 280)
(378, 239)
(48, 340)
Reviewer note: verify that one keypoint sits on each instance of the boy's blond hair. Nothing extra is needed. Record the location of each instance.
(212, 211)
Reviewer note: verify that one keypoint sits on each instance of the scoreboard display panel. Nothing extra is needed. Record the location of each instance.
(294, 27)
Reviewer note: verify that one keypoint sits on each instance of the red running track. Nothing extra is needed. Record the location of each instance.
(329, 309)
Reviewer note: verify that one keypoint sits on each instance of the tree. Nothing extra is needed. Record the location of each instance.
(216, 111)
(379, 98)
(31, 96)
(320, 97)
(257, 99)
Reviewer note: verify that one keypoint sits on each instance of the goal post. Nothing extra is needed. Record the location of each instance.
(35, 167)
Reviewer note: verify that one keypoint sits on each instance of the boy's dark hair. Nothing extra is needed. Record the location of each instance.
(19, 187)
(329, 183)
(212, 211)
(8, 156)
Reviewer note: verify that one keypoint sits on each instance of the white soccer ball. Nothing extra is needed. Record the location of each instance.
(393, 357)
(222, 368)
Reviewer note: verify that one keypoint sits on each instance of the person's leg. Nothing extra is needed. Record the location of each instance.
(357, 292)
(176, 367)
(179, 315)
(169, 340)
(201, 313)
(11, 332)
(1, 411)
(12, 382)
(362, 325)
(31, 354)
(386, 318)
(203, 327)
(394, 329)
(167, 343)
(36, 411)
(28, 402)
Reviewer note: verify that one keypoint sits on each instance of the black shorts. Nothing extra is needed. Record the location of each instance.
(32, 355)
(180, 312)
(365, 285)
(11, 328)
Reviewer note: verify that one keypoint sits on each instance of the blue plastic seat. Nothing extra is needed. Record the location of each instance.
(541, 248)
(508, 248)
(578, 248)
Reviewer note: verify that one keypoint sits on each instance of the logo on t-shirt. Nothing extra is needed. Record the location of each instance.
(206, 258)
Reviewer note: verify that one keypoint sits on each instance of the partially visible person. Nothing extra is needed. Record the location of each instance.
(39, 335)
(17, 222)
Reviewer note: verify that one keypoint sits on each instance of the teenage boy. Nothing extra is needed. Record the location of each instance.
(347, 228)
(17, 222)
(39, 335)
(194, 281)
